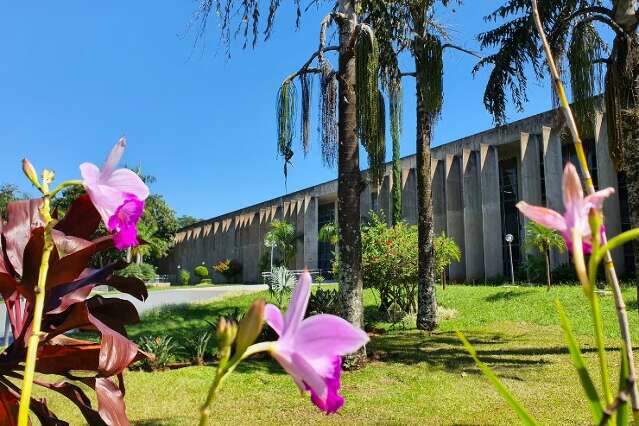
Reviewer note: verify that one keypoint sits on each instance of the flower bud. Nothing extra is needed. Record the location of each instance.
(30, 172)
(47, 176)
(226, 332)
(250, 326)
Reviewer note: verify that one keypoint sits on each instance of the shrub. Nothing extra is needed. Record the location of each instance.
(230, 269)
(162, 347)
(206, 281)
(142, 271)
(201, 272)
(389, 262)
(446, 252)
(184, 278)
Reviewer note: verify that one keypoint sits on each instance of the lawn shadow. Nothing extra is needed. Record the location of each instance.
(164, 421)
(507, 295)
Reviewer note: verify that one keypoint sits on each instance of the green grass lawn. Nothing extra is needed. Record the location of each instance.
(412, 377)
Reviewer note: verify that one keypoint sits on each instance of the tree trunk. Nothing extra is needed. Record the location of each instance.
(547, 256)
(397, 183)
(349, 182)
(427, 304)
(622, 108)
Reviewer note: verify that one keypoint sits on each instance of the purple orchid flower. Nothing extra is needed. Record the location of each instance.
(117, 194)
(311, 349)
(576, 207)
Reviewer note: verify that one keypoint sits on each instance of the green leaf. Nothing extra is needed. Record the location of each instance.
(526, 418)
(578, 362)
(622, 412)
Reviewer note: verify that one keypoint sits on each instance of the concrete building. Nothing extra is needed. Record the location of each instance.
(476, 180)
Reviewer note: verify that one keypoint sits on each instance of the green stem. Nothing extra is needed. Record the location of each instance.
(589, 290)
(34, 338)
(64, 185)
(223, 372)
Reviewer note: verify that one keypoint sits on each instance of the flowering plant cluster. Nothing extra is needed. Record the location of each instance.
(310, 350)
(46, 284)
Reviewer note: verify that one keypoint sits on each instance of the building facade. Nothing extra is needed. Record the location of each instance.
(476, 183)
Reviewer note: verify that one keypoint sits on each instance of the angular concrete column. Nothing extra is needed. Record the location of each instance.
(491, 212)
(553, 172)
(530, 178)
(409, 195)
(438, 197)
(607, 177)
(311, 232)
(455, 213)
(473, 252)
(365, 202)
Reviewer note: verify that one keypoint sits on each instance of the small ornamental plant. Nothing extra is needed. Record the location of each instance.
(310, 350)
(46, 283)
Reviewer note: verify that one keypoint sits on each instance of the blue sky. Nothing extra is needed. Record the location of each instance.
(76, 75)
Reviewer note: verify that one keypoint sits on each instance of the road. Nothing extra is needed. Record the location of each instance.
(187, 295)
(170, 297)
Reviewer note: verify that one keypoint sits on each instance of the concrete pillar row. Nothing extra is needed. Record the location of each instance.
(530, 177)
(491, 212)
(438, 196)
(607, 177)
(311, 232)
(455, 213)
(553, 172)
(473, 233)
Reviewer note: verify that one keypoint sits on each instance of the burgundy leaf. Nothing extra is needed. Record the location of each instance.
(23, 217)
(68, 268)
(76, 395)
(81, 220)
(67, 244)
(110, 402)
(130, 285)
(63, 296)
(8, 407)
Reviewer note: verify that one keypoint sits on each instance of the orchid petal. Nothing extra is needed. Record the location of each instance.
(543, 216)
(113, 159)
(597, 199)
(90, 173)
(274, 319)
(328, 335)
(334, 401)
(572, 191)
(105, 199)
(128, 181)
(309, 375)
(297, 306)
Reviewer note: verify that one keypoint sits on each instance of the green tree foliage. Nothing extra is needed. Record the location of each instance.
(186, 220)
(282, 236)
(544, 240)
(159, 224)
(389, 261)
(9, 193)
(446, 252)
(328, 233)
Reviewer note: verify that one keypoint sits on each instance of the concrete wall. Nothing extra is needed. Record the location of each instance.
(466, 202)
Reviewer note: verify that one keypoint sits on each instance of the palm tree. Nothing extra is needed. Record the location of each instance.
(544, 240)
(350, 108)
(446, 252)
(282, 235)
(409, 25)
(573, 35)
